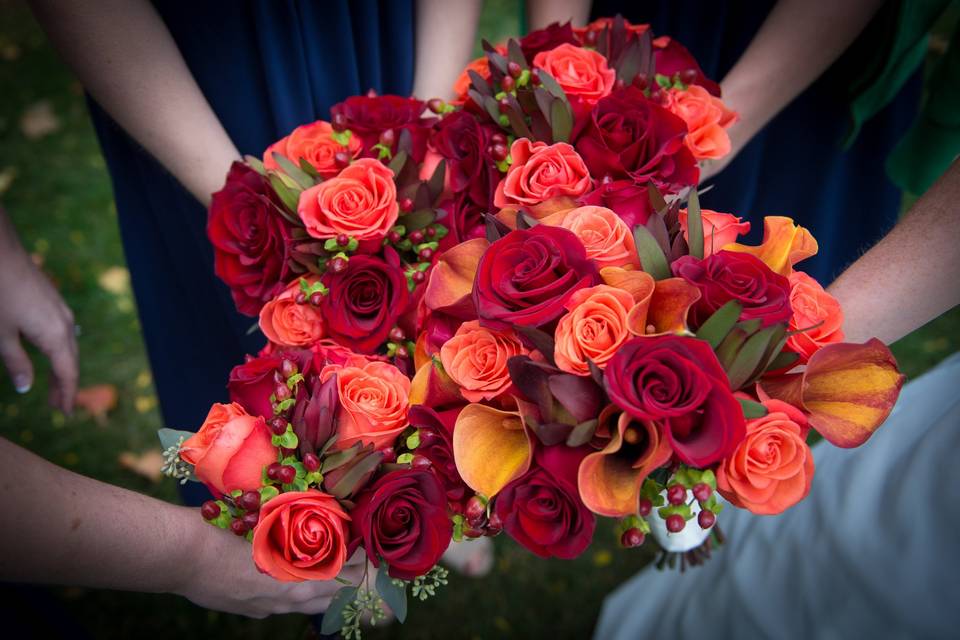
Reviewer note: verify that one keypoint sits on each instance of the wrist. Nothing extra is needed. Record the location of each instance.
(193, 544)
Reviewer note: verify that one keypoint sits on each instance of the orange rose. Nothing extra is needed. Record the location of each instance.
(289, 324)
(707, 121)
(772, 468)
(476, 359)
(540, 172)
(360, 202)
(301, 535)
(817, 312)
(460, 88)
(719, 229)
(580, 72)
(374, 400)
(605, 235)
(315, 144)
(230, 450)
(593, 329)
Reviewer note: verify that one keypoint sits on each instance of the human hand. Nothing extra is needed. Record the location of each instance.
(32, 308)
(224, 578)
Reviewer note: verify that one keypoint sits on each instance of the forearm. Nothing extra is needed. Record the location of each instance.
(912, 275)
(798, 41)
(126, 58)
(63, 528)
(541, 13)
(445, 34)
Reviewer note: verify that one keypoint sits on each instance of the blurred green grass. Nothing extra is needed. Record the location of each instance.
(56, 190)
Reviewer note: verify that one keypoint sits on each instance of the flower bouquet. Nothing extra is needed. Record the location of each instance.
(512, 314)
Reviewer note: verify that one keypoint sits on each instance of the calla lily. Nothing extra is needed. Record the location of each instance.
(669, 306)
(784, 244)
(610, 479)
(848, 390)
(491, 448)
(451, 279)
(431, 386)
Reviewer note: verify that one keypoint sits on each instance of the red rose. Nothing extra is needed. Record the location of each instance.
(630, 136)
(728, 275)
(678, 381)
(250, 239)
(466, 218)
(550, 37)
(436, 444)
(463, 142)
(527, 276)
(364, 302)
(671, 57)
(402, 520)
(251, 384)
(629, 200)
(368, 117)
(542, 510)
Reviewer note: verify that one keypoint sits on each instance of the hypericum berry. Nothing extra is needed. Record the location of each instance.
(688, 76)
(209, 510)
(641, 81)
(430, 231)
(338, 265)
(343, 239)
(472, 532)
(475, 509)
(428, 437)
(508, 84)
(514, 69)
(676, 494)
(426, 254)
(503, 105)
(420, 462)
(250, 519)
(278, 377)
(498, 138)
(419, 276)
(311, 462)
(435, 105)
(341, 159)
(301, 298)
(702, 491)
(389, 455)
(494, 524)
(316, 299)
(338, 122)
(416, 237)
(282, 391)
(656, 95)
(287, 474)
(273, 470)
(288, 368)
(406, 204)
(396, 334)
(618, 84)
(249, 501)
(706, 518)
(590, 38)
(535, 76)
(394, 237)
(498, 152)
(675, 523)
(403, 352)
(387, 138)
(239, 527)
(644, 507)
(632, 537)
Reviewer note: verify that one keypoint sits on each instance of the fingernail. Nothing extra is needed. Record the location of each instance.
(22, 383)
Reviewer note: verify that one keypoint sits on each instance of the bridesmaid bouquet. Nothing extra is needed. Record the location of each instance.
(510, 313)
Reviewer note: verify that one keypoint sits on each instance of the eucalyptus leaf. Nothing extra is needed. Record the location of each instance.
(170, 437)
(394, 595)
(333, 619)
(652, 258)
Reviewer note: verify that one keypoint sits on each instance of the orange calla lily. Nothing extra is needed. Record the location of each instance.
(431, 386)
(610, 479)
(420, 355)
(451, 279)
(550, 211)
(638, 284)
(784, 245)
(848, 390)
(491, 448)
(669, 306)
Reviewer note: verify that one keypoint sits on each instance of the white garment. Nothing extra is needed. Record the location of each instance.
(873, 552)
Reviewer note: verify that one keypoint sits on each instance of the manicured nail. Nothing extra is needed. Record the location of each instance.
(22, 383)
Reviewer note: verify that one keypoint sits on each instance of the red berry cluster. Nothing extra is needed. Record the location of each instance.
(248, 512)
(478, 522)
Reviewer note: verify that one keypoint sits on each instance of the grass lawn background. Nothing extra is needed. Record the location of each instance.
(56, 189)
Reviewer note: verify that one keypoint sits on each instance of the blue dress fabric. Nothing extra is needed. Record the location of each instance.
(265, 67)
(796, 165)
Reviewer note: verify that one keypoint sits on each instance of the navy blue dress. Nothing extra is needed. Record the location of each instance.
(265, 67)
(796, 165)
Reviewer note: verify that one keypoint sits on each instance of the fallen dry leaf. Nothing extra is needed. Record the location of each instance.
(98, 400)
(39, 120)
(146, 464)
(6, 178)
(116, 280)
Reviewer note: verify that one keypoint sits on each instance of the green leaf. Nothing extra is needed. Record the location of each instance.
(694, 226)
(170, 437)
(331, 244)
(396, 164)
(296, 173)
(651, 255)
(416, 220)
(413, 440)
(268, 493)
(561, 119)
(404, 458)
(551, 85)
(582, 433)
(342, 137)
(656, 199)
(255, 164)
(718, 325)
(286, 195)
(749, 356)
(710, 478)
(288, 440)
(309, 169)
(783, 360)
(752, 409)
(394, 595)
(333, 619)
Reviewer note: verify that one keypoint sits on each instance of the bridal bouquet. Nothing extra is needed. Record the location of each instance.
(509, 313)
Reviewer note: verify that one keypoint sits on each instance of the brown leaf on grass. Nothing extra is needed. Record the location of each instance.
(146, 464)
(39, 120)
(98, 400)
(115, 279)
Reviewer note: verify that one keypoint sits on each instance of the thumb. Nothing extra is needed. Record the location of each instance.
(18, 363)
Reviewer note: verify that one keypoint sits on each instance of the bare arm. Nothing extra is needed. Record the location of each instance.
(63, 528)
(912, 275)
(541, 13)
(124, 55)
(445, 34)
